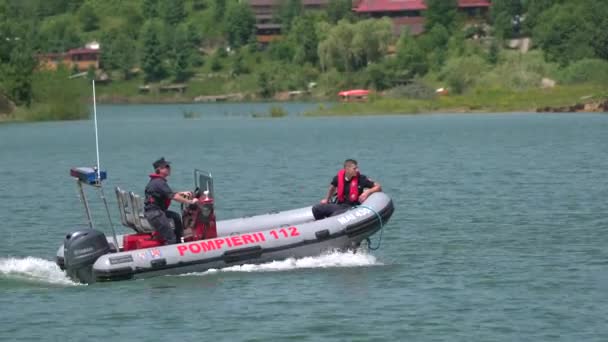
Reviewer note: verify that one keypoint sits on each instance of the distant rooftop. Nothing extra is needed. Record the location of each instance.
(409, 5)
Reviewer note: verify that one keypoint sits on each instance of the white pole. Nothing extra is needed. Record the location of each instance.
(103, 195)
(96, 134)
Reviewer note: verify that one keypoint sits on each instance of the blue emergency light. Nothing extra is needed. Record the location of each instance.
(88, 175)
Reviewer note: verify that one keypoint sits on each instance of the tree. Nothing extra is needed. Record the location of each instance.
(74, 5)
(377, 76)
(63, 98)
(173, 11)
(350, 47)
(534, 9)
(194, 35)
(441, 12)
(339, 9)
(289, 10)
(18, 73)
(59, 34)
(150, 8)
(462, 73)
(410, 55)
(493, 52)
(506, 17)
(50, 7)
(216, 61)
(88, 18)
(305, 40)
(322, 29)
(565, 32)
(219, 9)
(199, 5)
(91, 73)
(151, 57)
(240, 24)
(336, 50)
(434, 44)
(370, 41)
(181, 54)
(598, 14)
(133, 20)
(238, 66)
(117, 53)
(264, 85)
(282, 50)
(194, 41)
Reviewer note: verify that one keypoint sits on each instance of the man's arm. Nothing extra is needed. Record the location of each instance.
(184, 197)
(365, 194)
(330, 192)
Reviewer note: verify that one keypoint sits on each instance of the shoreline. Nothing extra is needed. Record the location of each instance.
(5, 120)
(584, 98)
(573, 98)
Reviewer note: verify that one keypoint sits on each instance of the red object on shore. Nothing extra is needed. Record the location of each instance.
(354, 95)
(354, 92)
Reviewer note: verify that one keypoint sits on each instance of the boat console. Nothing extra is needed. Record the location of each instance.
(198, 219)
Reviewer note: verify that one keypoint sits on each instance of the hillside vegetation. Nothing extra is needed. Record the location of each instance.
(210, 46)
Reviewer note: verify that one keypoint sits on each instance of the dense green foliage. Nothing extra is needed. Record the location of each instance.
(239, 24)
(506, 16)
(441, 12)
(574, 30)
(210, 45)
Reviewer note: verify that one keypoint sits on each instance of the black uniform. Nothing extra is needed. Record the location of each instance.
(321, 211)
(158, 197)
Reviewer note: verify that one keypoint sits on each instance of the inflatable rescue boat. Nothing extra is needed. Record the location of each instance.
(88, 255)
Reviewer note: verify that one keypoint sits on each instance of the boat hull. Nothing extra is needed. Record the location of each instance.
(251, 240)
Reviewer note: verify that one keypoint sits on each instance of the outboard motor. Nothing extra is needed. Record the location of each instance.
(81, 250)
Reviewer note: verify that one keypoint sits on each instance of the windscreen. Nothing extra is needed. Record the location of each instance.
(204, 182)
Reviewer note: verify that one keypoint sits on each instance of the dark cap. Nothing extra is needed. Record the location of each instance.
(160, 163)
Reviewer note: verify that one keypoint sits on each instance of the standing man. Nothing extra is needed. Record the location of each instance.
(351, 189)
(158, 198)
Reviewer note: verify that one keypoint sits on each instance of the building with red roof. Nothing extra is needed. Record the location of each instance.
(410, 13)
(81, 58)
(403, 13)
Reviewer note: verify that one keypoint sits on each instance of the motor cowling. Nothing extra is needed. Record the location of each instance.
(81, 250)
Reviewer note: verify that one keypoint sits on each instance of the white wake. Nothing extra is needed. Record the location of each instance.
(33, 269)
(329, 260)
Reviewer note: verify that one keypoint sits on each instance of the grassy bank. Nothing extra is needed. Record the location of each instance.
(55, 97)
(479, 100)
(508, 87)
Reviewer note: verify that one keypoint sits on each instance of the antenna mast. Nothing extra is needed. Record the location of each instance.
(96, 132)
(103, 196)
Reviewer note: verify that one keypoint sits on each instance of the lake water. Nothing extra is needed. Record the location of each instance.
(500, 230)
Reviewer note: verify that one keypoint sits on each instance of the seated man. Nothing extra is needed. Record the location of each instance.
(349, 185)
(158, 199)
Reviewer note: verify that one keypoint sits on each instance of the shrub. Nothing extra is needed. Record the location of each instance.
(277, 112)
(585, 70)
(413, 90)
(57, 97)
(462, 73)
(518, 71)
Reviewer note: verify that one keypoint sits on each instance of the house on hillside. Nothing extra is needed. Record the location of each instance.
(81, 58)
(267, 26)
(410, 13)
